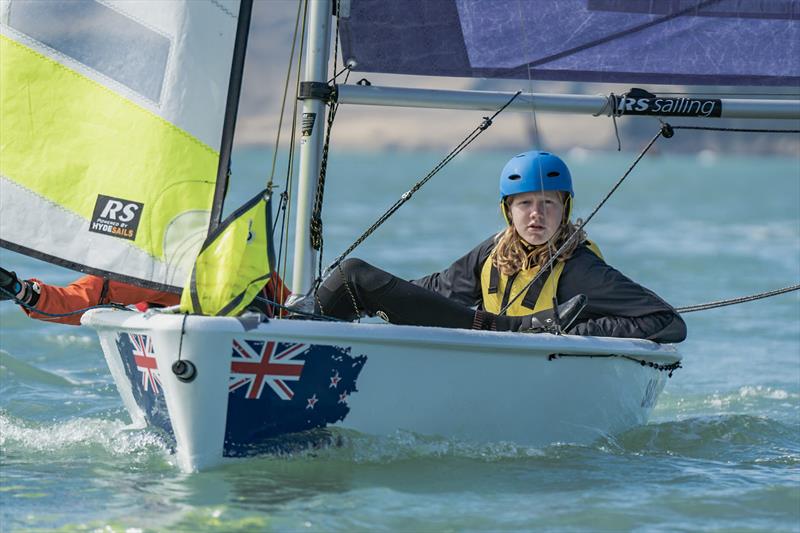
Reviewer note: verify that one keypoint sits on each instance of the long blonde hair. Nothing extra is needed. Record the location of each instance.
(512, 253)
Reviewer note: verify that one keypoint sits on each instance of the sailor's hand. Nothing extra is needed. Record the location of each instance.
(9, 284)
(545, 321)
(12, 288)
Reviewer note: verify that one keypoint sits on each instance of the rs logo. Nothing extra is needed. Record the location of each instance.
(116, 217)
(113, 207)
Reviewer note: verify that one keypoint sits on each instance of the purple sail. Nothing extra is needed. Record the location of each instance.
(696, 42)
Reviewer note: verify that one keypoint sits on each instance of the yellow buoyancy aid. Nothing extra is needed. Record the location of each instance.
(498, 289)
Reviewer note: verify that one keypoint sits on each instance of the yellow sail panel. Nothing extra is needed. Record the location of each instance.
(112, 121)
(77, 144)
(234, 263)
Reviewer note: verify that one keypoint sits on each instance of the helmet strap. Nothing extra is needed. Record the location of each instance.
(504, 210)
(567, 208)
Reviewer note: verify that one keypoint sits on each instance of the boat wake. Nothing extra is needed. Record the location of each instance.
(735, 438)
(742, 439)
(79, 437)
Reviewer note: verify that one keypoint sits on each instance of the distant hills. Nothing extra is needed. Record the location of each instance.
(385, 128)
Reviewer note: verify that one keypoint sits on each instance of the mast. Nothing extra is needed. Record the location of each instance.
(313, 125)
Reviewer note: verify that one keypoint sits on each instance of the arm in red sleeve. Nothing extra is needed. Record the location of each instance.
(87, 292)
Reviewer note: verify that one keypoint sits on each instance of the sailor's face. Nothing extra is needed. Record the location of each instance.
(536, 215)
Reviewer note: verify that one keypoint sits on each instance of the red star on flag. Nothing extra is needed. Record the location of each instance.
(335, 381)
(312, 402)
(343, 398)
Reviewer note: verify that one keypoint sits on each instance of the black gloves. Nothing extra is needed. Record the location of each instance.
(26, 292)
(9, 283)
(545, 321)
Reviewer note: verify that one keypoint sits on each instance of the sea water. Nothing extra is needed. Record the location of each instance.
(720, 453)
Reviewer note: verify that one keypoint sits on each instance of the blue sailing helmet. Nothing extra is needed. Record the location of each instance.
(535, 171)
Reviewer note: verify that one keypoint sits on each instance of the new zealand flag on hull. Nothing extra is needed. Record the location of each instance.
(277, 388)
(139, 359)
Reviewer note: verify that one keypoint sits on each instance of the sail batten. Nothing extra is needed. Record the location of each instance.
(694, 42)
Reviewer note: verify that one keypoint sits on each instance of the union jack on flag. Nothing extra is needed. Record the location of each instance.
(312, 385)
(145, 357)
(256, 363)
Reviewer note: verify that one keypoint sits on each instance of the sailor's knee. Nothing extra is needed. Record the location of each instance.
(354, 265)
(349, 271)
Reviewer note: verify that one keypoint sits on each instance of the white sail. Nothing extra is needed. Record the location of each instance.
(111, 119)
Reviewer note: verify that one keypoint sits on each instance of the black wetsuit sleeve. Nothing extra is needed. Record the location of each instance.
(617, 306)
(461, 281)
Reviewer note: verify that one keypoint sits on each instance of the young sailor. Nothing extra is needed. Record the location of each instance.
(91, 290)
(536, 197)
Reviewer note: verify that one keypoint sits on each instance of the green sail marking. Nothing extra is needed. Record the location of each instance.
(68, 138)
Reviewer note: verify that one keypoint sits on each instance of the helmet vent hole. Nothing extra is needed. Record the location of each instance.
(553, 174)
(514, 177)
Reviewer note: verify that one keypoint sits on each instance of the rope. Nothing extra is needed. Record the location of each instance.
(741, 130)
(295, 311)
(125, 308)
(786, 95)
(611, 109)
(474, 134)
(349, 293)
(671, 367)
(316, 212)
(317, 241)
(62, 315)
(583, 224)
(732, 301)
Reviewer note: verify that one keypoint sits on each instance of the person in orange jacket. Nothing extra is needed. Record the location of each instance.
(89, 291)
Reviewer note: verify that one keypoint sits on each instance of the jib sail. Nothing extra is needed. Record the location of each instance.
(111, 127)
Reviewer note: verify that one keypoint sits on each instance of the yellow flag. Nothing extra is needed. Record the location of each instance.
(234, 263)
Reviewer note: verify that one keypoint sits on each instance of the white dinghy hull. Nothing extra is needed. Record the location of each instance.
(257, 381)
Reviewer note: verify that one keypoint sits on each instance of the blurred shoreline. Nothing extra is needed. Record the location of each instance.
(388, 128)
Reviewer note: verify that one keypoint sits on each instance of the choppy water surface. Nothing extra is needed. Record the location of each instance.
(721, 452)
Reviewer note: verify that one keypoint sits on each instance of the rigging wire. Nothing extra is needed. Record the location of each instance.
(534, 124)
(283, 249)
(285, 197)
(474, 134)
(777, 96)
(739, 300)
(682, 310)
(285, 94)
(666, 130)
(739, 130)
(537, 145)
